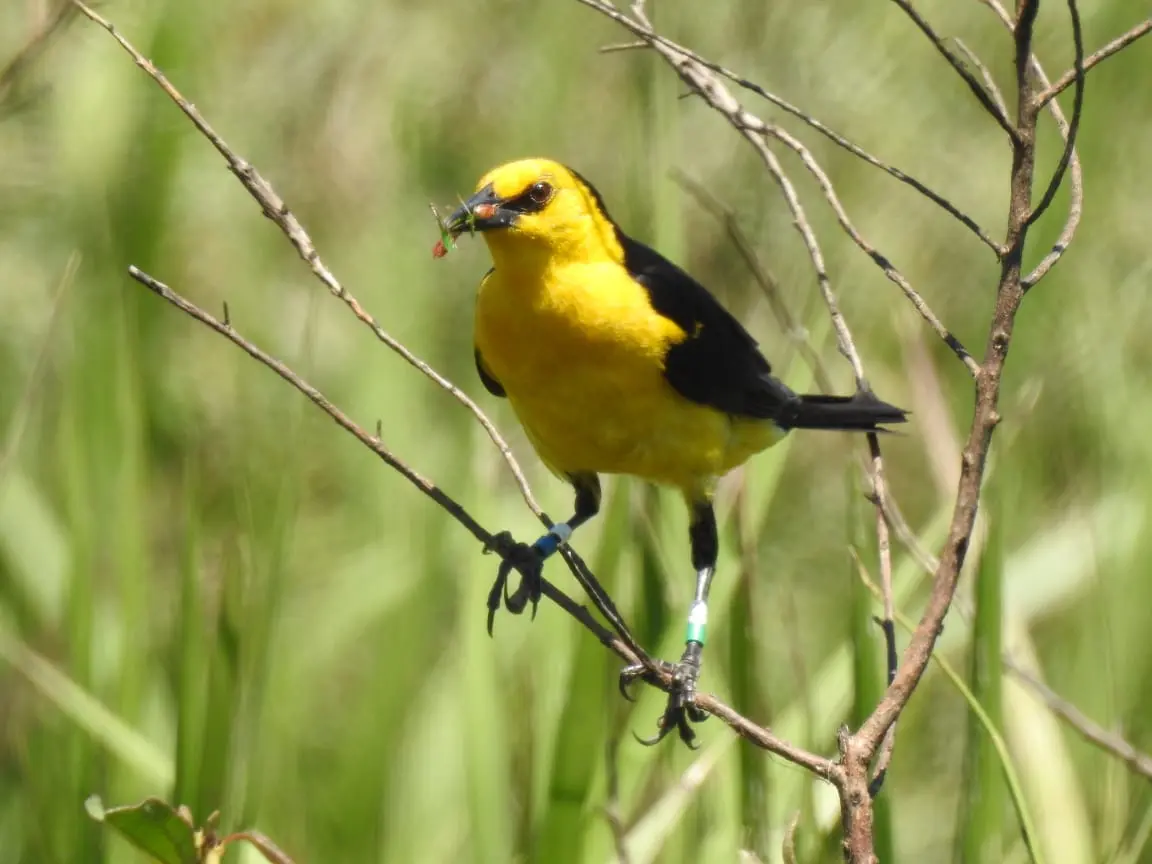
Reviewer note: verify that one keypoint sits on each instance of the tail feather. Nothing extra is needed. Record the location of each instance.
(861, 412)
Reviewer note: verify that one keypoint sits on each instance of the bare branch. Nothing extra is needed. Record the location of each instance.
(713, 91)
(1076, 185)
(956, 63)
(985, 74)
(622, 46)
(1010, 292)
(763, 278)
(1088, 729)
(650, 37)
(861, 747)
(1074, 125)
(1068, 78)
(276, 210)
(881, 261)
(372, 442)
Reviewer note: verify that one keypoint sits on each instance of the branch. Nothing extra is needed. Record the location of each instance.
(652, 38)
(1076, 191)
(277, 210)
(1091, 731)
(862, 747)
(985, 73)
(703, 81)
(1074, 126)
(1068, 78)
(658, 675)
(956, 63)
(879, 259)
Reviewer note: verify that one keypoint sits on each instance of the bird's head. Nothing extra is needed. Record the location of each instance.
(537, 207)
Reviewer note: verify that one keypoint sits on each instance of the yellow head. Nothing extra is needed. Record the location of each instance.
(538, 209)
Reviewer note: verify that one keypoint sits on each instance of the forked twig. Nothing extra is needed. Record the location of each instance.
(276, 210)
(1068, 78)
(650, 38)
(1075, 171)
(1073, 127)
(982, 95)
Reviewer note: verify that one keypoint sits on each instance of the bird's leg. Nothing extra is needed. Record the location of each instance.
(681, 709)
(528, 560)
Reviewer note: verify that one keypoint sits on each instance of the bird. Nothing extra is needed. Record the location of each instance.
(616, 361)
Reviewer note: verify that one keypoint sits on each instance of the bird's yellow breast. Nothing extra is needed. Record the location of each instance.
(580, 353)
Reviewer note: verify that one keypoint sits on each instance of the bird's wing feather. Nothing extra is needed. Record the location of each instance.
(489, 381)
(718, 363)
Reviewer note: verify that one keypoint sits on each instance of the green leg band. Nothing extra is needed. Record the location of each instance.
(697, 623)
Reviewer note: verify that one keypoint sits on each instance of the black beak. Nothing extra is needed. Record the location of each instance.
(484, 211)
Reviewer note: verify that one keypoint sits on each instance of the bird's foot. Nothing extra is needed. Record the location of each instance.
(527, 560)
(681, 711)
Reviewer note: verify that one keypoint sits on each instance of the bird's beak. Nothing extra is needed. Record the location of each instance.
(484, 211)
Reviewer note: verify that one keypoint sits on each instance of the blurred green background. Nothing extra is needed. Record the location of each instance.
(210, 593)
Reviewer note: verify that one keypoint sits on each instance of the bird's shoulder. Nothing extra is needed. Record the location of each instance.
(718, 363)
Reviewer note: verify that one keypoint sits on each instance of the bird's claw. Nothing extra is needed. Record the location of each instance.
(629, 675)
(681, 710)
(525, 560)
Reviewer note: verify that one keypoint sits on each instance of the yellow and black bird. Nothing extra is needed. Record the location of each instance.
(616, 361)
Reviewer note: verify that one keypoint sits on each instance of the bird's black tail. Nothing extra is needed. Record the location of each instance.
(862, 412)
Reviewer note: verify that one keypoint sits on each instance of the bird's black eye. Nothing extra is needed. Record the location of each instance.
(540, 193)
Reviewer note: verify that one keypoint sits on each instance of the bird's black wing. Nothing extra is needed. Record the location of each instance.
(487, 379)
(719, 363)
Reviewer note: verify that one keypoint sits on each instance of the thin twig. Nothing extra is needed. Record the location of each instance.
(985, 73)
(884, 550)
(700, 78)
(651, 37)
(881, 261)
(907, 537)
(1074, 126)
(767, 283)
(622, 46)
(657, 675)
(276, 210)
(1076, 172)
(956, 63)
(873, 466)
(1068, 78)
(860, 749)
(1087, 728)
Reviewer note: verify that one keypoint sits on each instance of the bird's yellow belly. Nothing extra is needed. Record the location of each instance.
(586, 380)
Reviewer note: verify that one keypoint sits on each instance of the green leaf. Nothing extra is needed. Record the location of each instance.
(151, 826)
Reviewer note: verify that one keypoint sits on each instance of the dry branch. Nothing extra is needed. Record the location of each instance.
(650, 37)
(277, 210)
(1068, 78)
(941, 45)
(1088, 729)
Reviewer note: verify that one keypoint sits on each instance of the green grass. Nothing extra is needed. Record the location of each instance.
(210, 594)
